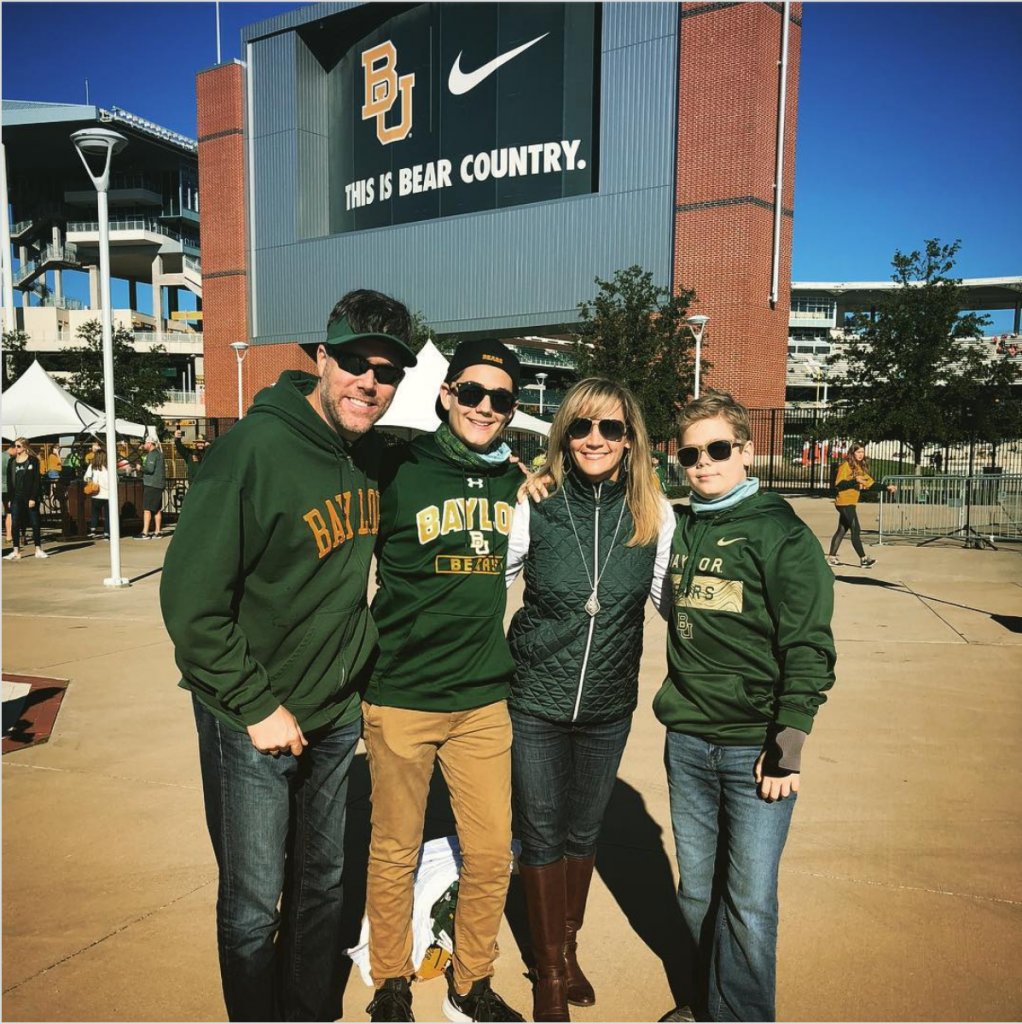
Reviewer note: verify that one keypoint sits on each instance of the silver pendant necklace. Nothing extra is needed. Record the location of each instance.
(592, 606)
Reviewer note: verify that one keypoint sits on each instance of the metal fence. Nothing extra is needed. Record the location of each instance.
(969, 508)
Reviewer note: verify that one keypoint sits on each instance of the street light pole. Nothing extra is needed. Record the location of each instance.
(104, 143)
(541, 384)
(240, 348)
(697, 324)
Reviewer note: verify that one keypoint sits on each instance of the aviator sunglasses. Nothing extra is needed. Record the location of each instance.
(357, 365)
(610, 430)
(719, 451)
(471, 394)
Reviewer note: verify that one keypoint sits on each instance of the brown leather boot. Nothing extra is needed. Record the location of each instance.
(545, 897)
(578, 873)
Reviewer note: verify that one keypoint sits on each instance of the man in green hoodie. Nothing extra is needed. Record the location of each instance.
(750, 655)
(264, 595)
(439, 690)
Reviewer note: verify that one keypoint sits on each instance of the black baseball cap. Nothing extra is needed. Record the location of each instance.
(481, 353)
(340, 333)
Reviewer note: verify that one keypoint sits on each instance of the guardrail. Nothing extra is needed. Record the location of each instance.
(968, 507)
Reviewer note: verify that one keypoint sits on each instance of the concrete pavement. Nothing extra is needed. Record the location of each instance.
(901, 886)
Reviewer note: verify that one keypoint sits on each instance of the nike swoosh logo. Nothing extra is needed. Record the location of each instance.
(734, 540)
(460, 83)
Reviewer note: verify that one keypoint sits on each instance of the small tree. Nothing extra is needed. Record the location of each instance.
(139, 380)
(634, 332)
(911, 376)
(17, 358)
(422, 332)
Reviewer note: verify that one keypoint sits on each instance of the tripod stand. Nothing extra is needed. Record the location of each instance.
(973, 538)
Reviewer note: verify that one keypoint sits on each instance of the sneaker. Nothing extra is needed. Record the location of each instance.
(142, 536)
(41, 554)
(867, 563)
(393, 1001)
(158, 536)
(481, 1003)
(833, 560)
(12, 557)
(680, 1013)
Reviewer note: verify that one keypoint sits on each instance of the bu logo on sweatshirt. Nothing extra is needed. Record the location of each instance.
(332, 526)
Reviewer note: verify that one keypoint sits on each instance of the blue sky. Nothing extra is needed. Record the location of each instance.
(909, 114)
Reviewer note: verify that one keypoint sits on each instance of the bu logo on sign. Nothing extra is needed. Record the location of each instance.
(381, 92)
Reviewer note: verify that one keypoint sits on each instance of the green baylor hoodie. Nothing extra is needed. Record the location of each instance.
(749, 637)
(441, 557)
(264, 583)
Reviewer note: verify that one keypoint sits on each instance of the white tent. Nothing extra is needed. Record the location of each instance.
(414, 405)
(35, 405)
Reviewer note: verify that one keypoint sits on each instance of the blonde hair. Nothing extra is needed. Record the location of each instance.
(26, 447)
(593, 397)
(712, 404)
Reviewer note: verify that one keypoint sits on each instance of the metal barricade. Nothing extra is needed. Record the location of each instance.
(927, 507)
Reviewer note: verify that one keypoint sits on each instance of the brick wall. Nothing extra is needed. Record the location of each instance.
(727, 132)
(224, 259)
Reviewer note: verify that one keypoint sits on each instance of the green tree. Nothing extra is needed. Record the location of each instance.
(422, 332)
(17, 358)
(634, 332)
(139, 380)
(912, 374)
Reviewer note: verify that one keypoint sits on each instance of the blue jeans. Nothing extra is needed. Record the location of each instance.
(277, 826)
(562, 776)
(736, 923)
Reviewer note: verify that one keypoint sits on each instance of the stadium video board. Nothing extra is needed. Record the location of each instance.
(441, 109)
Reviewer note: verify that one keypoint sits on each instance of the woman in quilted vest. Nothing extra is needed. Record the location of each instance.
(588, 552)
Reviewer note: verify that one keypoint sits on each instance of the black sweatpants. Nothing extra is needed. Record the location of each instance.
(848, 520)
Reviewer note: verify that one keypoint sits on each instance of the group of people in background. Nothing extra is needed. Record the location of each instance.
(265, 596)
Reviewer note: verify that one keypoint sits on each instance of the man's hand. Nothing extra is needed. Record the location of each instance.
(892, 488)
(278, 734)
(772, 787)
(31, 504)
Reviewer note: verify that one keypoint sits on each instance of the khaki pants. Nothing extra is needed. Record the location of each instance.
(474, 749)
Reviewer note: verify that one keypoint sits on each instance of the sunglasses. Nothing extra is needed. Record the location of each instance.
(610, 430)
(470, 395)
(719, 451)
(357, 365)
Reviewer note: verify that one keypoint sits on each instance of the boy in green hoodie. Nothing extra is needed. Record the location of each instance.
(750, 655)
(264, 595)
(439, 690)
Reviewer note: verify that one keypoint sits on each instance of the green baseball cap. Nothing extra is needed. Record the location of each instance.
(341, 333)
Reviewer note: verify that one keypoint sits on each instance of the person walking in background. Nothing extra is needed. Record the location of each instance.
(853, 477)
(192, 457)
(98, 475)
(154, 479)
(659, 460)
(588, 552)
(750, 656)
(264, 594)
(25, 492)
(9, 453)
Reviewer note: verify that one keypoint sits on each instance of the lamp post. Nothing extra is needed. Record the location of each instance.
(697, 324)
(103, 143)
(240, 348)
(541, 384)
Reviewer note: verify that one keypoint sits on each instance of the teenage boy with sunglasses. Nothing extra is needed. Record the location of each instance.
(750, 656)
(264, 595)
(439, 690)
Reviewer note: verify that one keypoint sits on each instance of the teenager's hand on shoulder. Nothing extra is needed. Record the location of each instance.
(536, 485)
(772, 787)
(277, 734)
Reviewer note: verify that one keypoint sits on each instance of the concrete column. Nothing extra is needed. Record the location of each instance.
(58, 275)
(158, 296)
(133, 294)
(94, 302)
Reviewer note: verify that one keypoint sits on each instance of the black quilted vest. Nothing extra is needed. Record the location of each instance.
(570, 667)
